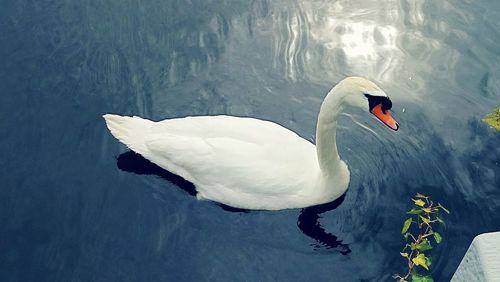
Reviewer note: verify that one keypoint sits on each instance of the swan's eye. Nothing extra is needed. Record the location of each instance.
(375, 100)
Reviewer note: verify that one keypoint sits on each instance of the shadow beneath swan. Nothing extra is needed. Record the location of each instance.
(308, 221)
(132, 162)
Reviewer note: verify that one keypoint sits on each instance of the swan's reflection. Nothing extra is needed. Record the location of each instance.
(308, 221)
(309, 224)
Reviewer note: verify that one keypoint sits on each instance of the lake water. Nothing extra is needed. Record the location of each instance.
(75, 205)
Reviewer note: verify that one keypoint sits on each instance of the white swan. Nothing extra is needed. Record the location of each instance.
(250, 163)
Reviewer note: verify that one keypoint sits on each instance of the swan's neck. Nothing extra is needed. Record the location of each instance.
(326, 131)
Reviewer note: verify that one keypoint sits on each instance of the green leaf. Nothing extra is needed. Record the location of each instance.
(429, 261)
(440, 220)
(443, 208)
(419, 202)
(404, 255)
(420, 260)
(437, 237)
(425, 220)
(420, 278)
(415, 211)
(427, 210)
(424, 245)
(406, 225)
(421, 196)
(413, 246)
(493, 119)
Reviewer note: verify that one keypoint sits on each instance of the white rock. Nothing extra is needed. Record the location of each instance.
(482, 260)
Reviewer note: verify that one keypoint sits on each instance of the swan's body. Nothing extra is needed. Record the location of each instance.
(241, 162)
(245, 162)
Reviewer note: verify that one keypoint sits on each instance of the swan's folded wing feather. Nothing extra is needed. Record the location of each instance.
(241, 162)
(238, 128)
(225, 163)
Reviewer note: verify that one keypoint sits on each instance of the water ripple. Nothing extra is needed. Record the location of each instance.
(65, 63)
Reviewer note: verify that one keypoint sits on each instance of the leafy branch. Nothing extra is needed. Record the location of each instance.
(424, 216)
(493, 119)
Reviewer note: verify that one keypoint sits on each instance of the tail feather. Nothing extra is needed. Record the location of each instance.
(129, 130)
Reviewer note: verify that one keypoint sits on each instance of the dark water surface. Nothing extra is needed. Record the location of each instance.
(70, 212)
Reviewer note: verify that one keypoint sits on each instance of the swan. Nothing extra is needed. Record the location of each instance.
(250, 163)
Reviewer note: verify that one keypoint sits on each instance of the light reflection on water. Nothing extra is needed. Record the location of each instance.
(68, 212)
(327, 37)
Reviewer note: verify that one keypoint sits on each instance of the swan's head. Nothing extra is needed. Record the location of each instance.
(367, 95)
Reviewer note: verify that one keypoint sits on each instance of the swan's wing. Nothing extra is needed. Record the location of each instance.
(232, 156)
(239, 128)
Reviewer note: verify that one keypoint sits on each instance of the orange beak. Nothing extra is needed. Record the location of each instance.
(386, 117)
